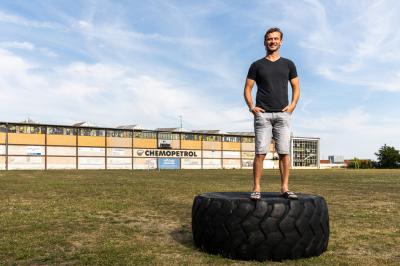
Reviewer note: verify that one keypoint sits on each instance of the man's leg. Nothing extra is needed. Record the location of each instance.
(281, 132)
(257, 171)
(284, 168)
(263, 136)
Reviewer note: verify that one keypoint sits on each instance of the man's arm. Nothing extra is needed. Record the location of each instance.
(247, 97)
(295, 95)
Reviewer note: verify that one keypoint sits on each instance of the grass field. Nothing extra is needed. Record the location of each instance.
(139, 217)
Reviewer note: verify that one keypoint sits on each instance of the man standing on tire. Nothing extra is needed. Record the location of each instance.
(272, 111)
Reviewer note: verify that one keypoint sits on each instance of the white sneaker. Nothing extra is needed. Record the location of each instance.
(255, 195)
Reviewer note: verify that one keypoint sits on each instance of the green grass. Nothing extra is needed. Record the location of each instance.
(140, 217)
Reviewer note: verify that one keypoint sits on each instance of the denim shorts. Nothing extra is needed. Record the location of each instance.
(276, 126)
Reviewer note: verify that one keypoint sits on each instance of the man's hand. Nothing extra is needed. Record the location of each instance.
(256, 110)
(289, 109)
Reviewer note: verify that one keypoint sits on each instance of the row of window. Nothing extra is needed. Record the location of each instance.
(305, 152)
(57, 130)
(212, 138)
(231, 139)
(247, 139)
(27, 129)
(308, 164)
(305, 143)
(145, 134)
(168, 136)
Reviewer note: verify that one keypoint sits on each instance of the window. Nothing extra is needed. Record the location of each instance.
(231, 139)
(212, 138)
(145, 134)
(119, 133)
(91, 132)
(305, 152)
(61, 131)
(191, 136)
(25, 129)
(3, 128)
(247, 139)
(168, 136)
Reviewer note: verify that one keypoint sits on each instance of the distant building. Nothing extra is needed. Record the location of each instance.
(336, 159)
(86, 146)
(333, 161)
(305, 152)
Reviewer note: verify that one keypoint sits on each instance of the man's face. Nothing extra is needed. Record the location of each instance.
(273, 41)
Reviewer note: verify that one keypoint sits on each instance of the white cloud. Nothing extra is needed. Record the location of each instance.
(188, 46)
(349, 49)
(108, 94)
(18, 45)
(85, 25)
(22, 21)
(117, 36)
(10, 63)
(48, 52)
(28, 46)
(354, 133)
(16, 79)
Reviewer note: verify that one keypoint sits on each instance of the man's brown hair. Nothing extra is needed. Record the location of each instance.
(271, 30)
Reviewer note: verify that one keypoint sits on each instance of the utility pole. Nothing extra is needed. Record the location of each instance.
(180, 120)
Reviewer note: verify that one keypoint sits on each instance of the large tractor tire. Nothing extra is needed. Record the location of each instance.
(272, 228)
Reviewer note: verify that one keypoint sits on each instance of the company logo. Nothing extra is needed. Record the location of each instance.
(166, 153)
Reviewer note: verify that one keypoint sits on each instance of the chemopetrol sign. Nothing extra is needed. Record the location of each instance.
(166, 153)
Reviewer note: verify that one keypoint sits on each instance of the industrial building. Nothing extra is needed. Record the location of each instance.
(41, 147)
(305, 152)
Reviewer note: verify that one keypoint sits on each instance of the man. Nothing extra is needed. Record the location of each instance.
(272, 111)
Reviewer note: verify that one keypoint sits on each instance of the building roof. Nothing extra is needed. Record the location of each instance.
(249, 134)
(312, 138)
(171, 129)
(85, 124)
(129, 127)
(139, 128)
(208, 131)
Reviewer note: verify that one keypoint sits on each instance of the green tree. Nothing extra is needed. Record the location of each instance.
(367, 164)
(354, 164)
(388, 157)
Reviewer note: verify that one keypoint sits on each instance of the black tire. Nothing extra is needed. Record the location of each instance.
(272, 228)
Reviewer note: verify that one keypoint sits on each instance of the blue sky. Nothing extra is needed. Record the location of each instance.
(148, 62)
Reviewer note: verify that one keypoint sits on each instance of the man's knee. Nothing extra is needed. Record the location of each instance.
(260, 157)
(285, 158)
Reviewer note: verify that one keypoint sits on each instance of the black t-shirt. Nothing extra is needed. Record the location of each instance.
(272, 82)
